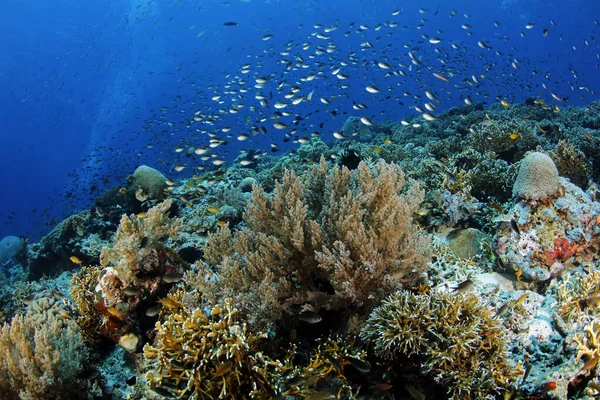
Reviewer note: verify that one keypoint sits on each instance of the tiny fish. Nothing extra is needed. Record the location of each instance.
(502, 310)
(441, 77)
(366, 121)
(515, 227)
(213, 209)
(383, 386)
(75, 260)
(296, 380)
(521, 299)
(451, 177)
(333, 361)
(153, 311)
(163, 392)
(144, 242)
(414, 393)
(310, 317)
(172, 278)
(428, 117)
(130, 291)
(223, 368)
(230, 23)
(359, 364)
(463, 286)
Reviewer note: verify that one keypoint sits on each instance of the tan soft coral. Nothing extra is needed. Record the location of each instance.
(136, 269)
(128, 251)
(331, 240)
(41, 360)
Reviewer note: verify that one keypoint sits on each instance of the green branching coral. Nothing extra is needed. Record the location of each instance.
(508, 136)
(571, 163)
(457, 340)
(197, 357)
(327, 240)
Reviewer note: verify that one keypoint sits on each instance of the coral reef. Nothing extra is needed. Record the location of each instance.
(549, 236)
(293, 252)
(467, 243)
(457, 340)
(571, 163)
(10, 247)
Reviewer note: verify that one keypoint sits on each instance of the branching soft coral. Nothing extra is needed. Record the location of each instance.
(128, 249)
(41, 360)
(327, 240)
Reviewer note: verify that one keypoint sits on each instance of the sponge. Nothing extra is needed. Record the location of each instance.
(537, 178)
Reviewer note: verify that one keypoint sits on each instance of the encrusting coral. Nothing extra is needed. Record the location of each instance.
(329, 240)
(456, 339)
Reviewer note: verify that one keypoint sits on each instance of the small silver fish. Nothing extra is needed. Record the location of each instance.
(153, 311)
(515, 227)
(463, 286)
(310, 317)
(172, 278)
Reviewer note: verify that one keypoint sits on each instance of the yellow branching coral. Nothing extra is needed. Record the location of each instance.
(331, 239)
(324, 373)
(87, 316)
(578, 295)
(135, 240)
(197, 357)
(457, 341)
(40, 360)
(588, 346)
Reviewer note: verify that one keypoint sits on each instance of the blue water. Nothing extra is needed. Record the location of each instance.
(91, 90)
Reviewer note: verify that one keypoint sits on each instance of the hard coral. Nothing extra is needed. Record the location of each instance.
(334, 240)
(200, 357)
(457, 340)
(152, 181)
(537, 178)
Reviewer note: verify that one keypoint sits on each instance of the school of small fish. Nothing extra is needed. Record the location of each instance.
(403, 68)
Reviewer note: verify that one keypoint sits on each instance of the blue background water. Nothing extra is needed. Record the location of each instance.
(91, 90)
